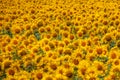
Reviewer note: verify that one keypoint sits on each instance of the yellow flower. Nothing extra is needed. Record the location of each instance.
(71, 37)
(64, 13)
(113, 55)
(82, 68)
(9, 48)
(48, 36)
(107, 37)
(41, 30)
(35, 49)
(76, 23)
(65, 34)
(112, 76)
(101, 51)
(48, 77)
(3, 44)
(83, 43)
(69, 73)
(52, 45)
(67, 51)
(91, 72)
(115, 68)
(53, 66)
(46, 48)
(37, 74)
(48, 29)
(118, 43)
(116, 62)
(60, 77)
(15, 42)
(78, 54)
(32, 39)
(90, 57)
(11, 78)
(27, 27)
(11, 72)
(66, 41)
(16, 29)
(16, 65)
(111, 29)
(22, 52)
(75, 62)
(6, 64)
(28, 33)
(61, 44)
(23, 77)
(99, 67)
(117, 36)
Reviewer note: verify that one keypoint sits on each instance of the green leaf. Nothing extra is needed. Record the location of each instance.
(37, 34)
(101, 77)
(73, 30)
(118, 74)
(9, 33)
(84, 51)
(75, 71)
(108, 69)
(112, 44)
(30, 67)
(22, 66)
(86, 36)
(102, 59)
(0, 51)
(15, 56)
(59, 37)
(40, 52)
(3, 75)
(75, 78)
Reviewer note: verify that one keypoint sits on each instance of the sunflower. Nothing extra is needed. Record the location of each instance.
(67, 51)
(112, 76)
(90, 57)
(15, 42)
(69, 73)
(32, 39)
(41, 30)
(6, 64)
(118, 44)
(78, 54)
(100, 51)
(100, 67)
(22, 52)
(23, 77)
(60, 77)
(11, 78)
(116, 62)
(82, 68)
(107, 38)
(79, 34)
(117, 36)
(65, 34)
(61, 44)
(11, 72)
(48, 77)
(37, 74)
(16, 29)
(91, 73)
(27, 27)
(113, 55)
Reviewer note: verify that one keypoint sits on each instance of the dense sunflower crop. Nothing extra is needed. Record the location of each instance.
(59, 39)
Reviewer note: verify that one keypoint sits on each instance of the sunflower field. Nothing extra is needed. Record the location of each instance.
(59, 39)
